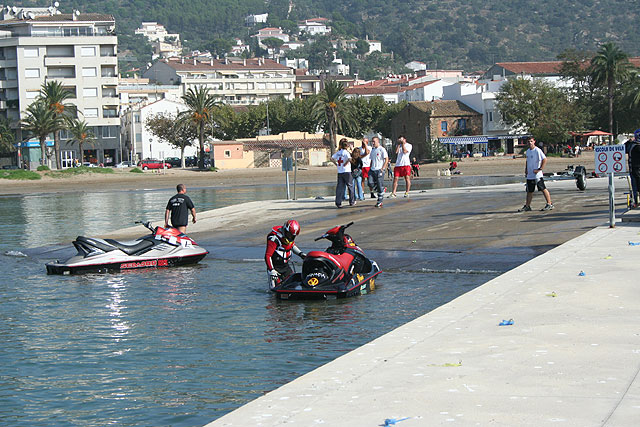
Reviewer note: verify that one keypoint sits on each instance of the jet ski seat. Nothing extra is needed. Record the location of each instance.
(88, 241)
(131, 249)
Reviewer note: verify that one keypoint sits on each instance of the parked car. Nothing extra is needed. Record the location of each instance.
(89, 165)
(173, 161)
(191, 161)
(125, 164)
(153, 164)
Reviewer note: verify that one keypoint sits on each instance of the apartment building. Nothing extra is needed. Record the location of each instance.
(38, 45)
(240, 82)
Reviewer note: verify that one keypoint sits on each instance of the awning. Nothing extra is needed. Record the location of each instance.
(464, 140)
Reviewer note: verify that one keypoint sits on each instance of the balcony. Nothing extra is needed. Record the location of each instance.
(53, 61)
(8, 84)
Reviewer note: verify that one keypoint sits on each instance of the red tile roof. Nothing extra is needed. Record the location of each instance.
(253, 63)
(279, 144)
(547, 67)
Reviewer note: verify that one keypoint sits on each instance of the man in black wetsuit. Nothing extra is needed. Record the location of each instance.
(179, 207)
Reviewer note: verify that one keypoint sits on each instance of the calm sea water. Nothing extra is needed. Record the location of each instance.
(176, 347)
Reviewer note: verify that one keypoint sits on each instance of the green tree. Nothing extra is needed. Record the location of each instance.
(539, 108)
(7, 137)
(166, 128)
(609, 66)
(333, 112)
(219, 47)
(39, 123)
(81, 134)
(362, 47)
(55, 95)
(274, 44)
(201, 106)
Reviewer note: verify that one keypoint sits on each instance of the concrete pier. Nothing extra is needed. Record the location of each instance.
(571, 356)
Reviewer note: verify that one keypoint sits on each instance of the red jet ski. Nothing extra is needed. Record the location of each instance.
(343, 270)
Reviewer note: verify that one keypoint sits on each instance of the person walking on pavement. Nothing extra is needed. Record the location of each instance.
(379, 162)
(365, 152)
(633, 151)
(178, 208)
(403, 166)
(536, 160)
(342, 159)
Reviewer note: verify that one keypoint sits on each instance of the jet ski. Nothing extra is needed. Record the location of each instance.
(164, 247)
(343, 270)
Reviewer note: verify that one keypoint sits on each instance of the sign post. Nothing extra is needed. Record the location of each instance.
(609, 160)
(287, 165)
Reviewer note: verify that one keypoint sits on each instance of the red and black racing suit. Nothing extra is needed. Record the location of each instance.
(278, 252)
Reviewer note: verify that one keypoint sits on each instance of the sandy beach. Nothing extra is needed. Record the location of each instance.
(122, 179)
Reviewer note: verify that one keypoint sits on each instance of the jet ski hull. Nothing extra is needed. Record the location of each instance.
(129, 264)
(294, 287)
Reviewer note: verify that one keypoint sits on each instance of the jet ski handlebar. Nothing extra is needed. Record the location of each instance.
(334, 231)
(147, 224)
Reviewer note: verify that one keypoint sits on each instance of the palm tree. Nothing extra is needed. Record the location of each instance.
(40, 122)
(80, 133)
(333, 111)
(7, 136)
(54, 95)
(201, 106)
(609, 66)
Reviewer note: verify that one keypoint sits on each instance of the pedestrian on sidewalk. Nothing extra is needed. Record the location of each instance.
(342, 159)
(365, 152)
(379, 162)
(403, 166)
(633, 151)
(178, 208)
(536, 160)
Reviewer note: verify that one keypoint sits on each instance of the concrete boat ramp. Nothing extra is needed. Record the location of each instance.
(570, 357)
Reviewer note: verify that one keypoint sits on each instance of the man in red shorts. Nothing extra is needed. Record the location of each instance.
(365, 152)
(403, 165)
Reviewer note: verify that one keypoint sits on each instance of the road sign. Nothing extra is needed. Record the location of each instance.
(610, 158)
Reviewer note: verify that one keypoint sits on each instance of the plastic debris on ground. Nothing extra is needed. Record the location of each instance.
(634, 243)
(552, 295)
(506, 322)
(393, 421)
(582, 273)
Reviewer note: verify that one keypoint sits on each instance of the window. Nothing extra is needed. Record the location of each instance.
(32, 73)
(91, 112)
(227, 154)
(90, 92)
(443, 126)
(136, 118)
(138, 137)
(89, 72)
(87, 51)
(490, 115)
(462, 124)
(109, 131)
(32, 94)
(30, 52)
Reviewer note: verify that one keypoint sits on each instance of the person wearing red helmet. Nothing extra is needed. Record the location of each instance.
(280, 244)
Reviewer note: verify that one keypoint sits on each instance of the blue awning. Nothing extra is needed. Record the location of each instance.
(33, 144)
(464, 140)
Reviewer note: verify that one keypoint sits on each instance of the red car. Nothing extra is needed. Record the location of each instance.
(153, 164)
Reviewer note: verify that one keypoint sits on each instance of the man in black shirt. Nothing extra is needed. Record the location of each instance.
(179, 207)
(633, 151)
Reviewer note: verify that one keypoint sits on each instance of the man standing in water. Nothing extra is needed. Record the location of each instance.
(178, 207)
(533, 171)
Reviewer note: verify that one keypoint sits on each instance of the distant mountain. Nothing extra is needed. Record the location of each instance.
(468, 34)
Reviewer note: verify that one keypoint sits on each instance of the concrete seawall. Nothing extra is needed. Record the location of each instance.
(571, 356)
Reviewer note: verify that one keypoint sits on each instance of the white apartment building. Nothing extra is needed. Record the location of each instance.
(142, 143)
(164, 44)
(38, 45)
(242, 82)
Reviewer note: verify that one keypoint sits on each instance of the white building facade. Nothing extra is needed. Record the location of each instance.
(38, 45)
(240, 82)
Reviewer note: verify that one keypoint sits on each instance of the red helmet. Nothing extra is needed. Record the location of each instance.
(291, 229)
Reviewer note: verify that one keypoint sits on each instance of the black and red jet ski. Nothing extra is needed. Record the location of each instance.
(164, 247)
(343, 270)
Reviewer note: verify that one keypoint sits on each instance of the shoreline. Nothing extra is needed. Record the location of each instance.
(123, 180)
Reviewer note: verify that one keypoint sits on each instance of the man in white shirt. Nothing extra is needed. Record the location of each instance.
(536, 160)
(342, 159)
(365, 152)
(403, 165)
(379, 162)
